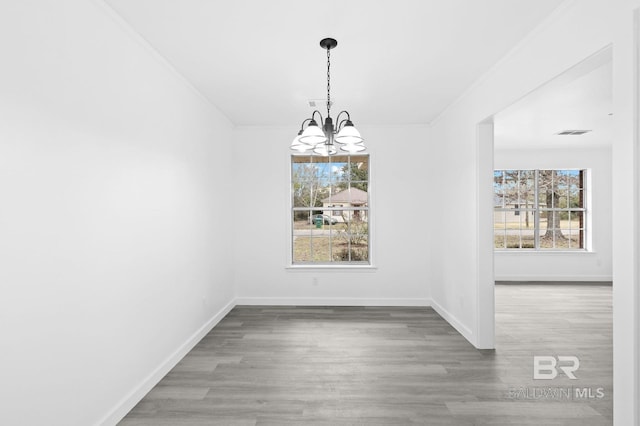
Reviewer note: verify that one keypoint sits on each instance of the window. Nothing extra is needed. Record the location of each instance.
(539, 209)
(330, 209)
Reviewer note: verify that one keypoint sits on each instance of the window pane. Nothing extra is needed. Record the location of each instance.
(303, 167)
(307, 182)
(573, 229)
(301, 249)
(575, 220)
(575, 193)
(510, 188)
(547, 189)
(499, 228)
(514, 229)
(351, 254)
(550, 232)
(314, 248)
(544, 243)
(301, 236)
(526, 188)
(321, 246)
(498, 188)
(302, 221)
(358, 168)
(512, 218)
(352, 242)
(356, 222)
(302, 194)
(527, 230)
(561, 230)
(576, 198)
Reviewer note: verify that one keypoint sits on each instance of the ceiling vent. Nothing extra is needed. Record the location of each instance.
(572, 132)
(318, 103)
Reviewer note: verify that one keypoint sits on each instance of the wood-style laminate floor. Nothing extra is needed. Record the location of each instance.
(394, 366)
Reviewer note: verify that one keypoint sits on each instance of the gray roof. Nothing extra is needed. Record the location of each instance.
(352, 195)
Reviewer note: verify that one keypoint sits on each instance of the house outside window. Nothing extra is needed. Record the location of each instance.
(539, 209)
(330, 210)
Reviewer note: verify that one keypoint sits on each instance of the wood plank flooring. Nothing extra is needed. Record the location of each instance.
(394, 366)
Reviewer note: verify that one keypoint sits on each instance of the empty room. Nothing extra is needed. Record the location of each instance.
(343, 213)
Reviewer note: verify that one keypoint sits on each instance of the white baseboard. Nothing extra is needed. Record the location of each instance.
(128, 402)
(560, 278)
(330, 301)
(455, 323)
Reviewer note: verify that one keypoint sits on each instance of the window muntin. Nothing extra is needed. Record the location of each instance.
(539, 209)
(330, 210)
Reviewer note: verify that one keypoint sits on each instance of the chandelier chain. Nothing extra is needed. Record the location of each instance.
(328, 81)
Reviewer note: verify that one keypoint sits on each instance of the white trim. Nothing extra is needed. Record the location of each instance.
(454, 322)
(125, 405)
(635, 322)
(332, 301)
(568, 278)
(543, 252)
(331, 268)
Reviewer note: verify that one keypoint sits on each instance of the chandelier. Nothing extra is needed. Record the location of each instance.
(328, 139)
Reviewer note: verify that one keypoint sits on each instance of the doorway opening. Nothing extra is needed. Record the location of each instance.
(550, 298)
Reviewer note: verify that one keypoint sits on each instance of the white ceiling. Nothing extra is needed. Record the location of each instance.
(579, 99)
(397, 62)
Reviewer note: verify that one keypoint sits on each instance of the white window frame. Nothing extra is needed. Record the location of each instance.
(536, 210)
(332, 264)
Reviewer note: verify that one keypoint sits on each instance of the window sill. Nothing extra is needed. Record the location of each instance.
(330, 268)
(544, 252)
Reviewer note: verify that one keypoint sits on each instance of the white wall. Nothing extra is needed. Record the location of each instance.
(124, 221)
(113, 219)
(595, 265)
(578, 30)
(399, 243)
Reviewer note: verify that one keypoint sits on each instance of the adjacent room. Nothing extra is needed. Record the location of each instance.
(552, 225)
(252, 213)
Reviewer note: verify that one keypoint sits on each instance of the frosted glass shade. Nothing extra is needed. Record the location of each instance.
(353, 147)
(313, 135)
(349, 135)
(325, 149)
(296, 145)
(300, 147)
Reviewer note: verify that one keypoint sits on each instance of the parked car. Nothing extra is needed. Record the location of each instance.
(327, 220)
